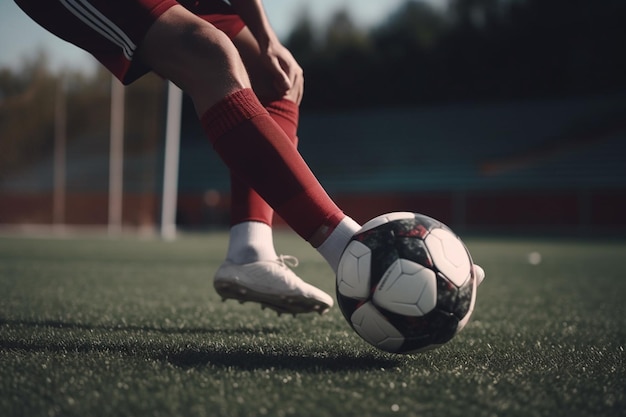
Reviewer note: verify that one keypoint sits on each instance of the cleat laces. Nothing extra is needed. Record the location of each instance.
(288, 261)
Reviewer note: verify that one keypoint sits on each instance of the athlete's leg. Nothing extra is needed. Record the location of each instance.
(206, 64)
(251, 217)
(252, 270)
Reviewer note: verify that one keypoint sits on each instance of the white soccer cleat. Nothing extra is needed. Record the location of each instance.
(272, 284)
(479, 273)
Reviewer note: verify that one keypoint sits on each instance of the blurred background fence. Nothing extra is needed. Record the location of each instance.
(493, 116)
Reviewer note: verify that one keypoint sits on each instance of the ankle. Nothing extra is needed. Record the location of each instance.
(337, 240)
(250, 241)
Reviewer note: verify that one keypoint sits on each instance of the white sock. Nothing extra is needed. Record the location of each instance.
(333, 246)
(250, 242)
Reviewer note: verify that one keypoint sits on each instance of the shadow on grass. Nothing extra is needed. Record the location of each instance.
(251, 359)
(195, 352)
(58, 324)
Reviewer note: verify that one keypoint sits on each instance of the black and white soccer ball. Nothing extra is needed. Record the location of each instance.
(406, 283)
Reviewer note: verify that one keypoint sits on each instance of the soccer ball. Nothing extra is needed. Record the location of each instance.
(405, 283)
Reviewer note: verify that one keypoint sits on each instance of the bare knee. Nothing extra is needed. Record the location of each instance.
(194, 55)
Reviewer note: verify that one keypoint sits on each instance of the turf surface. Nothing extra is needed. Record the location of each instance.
(128, 327)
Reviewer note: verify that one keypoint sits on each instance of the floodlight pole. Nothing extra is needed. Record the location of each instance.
(116, 158)
(170, 168)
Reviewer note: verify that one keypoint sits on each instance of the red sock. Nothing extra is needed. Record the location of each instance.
(246, 204)
(286, 113)
(260, 154)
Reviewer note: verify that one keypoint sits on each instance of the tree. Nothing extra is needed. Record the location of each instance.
(478, 50)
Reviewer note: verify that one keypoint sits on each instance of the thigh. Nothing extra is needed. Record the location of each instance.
(195, 55)
(223, 17)
(111, 30)
(218, 13)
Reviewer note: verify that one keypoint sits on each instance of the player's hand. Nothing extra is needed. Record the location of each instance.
(479, 273)
(287, 74)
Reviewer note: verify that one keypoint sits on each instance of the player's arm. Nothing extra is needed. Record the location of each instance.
(287, 72)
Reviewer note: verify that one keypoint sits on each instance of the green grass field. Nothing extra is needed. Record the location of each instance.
(129, 327)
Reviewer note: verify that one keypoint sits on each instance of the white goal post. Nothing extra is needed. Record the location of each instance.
(116, 157)
(170, 164)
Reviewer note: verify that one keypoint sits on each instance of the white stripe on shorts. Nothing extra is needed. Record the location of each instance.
(101, 24)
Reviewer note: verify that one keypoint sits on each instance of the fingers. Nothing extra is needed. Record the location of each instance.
(296, 91)
(287, 74)
(282, 80)
(290, 83)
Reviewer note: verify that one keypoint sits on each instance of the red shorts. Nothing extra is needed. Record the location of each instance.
(112, 30)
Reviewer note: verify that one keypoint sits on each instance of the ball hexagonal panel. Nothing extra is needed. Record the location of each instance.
(353, 273)
(407, 288)
(372, 326)
(449, 255)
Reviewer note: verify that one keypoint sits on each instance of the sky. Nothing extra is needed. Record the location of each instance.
(21, 38)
